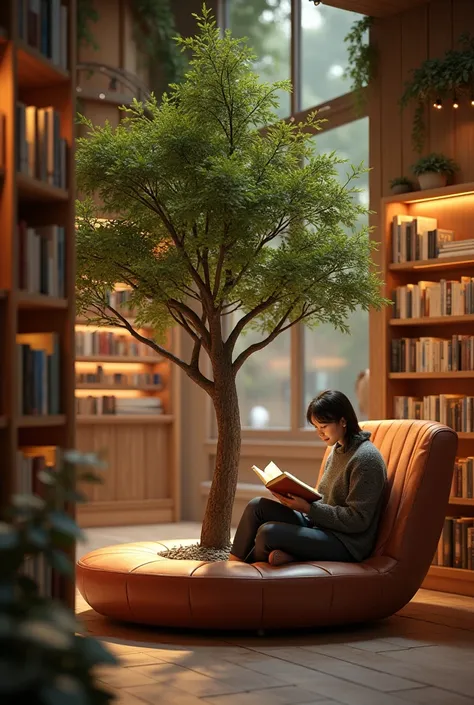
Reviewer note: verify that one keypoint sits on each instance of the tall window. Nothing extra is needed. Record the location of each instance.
(267, 26)
(333, 359)
(329, 359)
(263, 382)
(323, 53)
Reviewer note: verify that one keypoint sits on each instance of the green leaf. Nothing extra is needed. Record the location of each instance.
(63, 523)
(66, 689)
(95, 652)
(60, 562)
(37, 536)
(9, 537)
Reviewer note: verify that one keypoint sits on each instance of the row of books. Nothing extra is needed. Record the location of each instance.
(106, 343)
(41, 259)
(43, 24)
(41, 151)
(463, 478)
(417, 238)
(119, 299)
(458, 248)
(38, 378)
(456, 544)
(104, 405)
(454, 410)
(428, 299)
(119, 378)
(453, 354)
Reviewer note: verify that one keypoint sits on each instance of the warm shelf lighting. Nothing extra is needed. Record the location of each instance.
(443, 197)
(108, 392)
(85, 366)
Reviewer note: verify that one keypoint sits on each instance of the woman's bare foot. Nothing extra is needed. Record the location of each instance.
(234, 558)
(279, 558)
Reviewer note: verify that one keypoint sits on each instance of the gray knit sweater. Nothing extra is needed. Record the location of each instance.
(352, 488)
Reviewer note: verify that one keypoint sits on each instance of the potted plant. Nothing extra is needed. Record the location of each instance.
(434, 170)
(401, 184)
(44, 658)
(207, 214)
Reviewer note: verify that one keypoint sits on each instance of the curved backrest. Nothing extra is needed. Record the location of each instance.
(420, 459)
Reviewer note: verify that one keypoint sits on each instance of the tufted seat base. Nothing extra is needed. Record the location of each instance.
(131, 582)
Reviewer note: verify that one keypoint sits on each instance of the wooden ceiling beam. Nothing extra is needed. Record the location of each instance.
(376, 8)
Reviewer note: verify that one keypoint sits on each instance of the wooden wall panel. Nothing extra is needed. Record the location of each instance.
(414, 50)
(138, 473)
(390, 88)
(463, 21)
(440, 122)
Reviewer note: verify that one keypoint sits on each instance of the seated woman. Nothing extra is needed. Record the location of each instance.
(342, 525)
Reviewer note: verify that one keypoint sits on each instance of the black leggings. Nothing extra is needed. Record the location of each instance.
(267, 525)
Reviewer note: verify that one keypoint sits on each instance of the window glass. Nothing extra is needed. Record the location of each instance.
(324, 52)
(263, 381)
(332, 360)
(267, 26)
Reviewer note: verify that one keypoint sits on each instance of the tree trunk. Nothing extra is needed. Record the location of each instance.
(217, 518)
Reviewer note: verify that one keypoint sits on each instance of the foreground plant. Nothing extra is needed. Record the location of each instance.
(204, 214)
(43, 658)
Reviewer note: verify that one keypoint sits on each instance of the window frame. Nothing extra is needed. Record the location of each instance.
(338, 111)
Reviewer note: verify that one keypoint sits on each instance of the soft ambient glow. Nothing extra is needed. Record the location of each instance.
(107, 392)
(83, 366)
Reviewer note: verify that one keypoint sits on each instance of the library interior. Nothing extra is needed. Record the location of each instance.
(237, 254)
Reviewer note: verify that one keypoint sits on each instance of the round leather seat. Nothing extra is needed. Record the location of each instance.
(131, 582)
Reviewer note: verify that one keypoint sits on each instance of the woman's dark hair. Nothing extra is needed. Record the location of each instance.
(332, 406)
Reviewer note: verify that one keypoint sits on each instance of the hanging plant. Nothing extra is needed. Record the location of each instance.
(438, 80)
(361, 56)
(155, 32)
(86, 14)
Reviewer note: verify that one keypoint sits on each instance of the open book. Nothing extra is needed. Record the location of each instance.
(284, 483)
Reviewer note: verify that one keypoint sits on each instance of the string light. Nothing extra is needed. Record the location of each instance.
(438, 104)
(455, 104)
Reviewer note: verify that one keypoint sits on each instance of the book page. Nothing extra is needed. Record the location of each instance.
(272, 471)
(260, 474)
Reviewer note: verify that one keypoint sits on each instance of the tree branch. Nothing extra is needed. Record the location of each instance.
(242, 322)
(194, 374)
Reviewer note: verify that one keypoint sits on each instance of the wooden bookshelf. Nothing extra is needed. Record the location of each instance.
(30, 78)
(453, 207)
(142, 450)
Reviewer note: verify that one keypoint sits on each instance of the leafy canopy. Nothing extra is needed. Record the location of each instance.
(203, 204)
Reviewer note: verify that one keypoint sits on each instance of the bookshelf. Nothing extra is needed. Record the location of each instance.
(37, 415)
(141, 484)
(429, 357)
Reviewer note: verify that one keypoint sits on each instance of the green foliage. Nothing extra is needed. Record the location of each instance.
(43, 659)
(155, 32)
(86, 14)
(401, 181)
(210, 209)
(361, 55)
(435, 162)
(447, 77)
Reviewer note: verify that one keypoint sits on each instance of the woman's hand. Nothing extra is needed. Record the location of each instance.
(296, 503)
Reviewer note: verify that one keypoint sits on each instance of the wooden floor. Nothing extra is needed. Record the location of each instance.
(424, 654)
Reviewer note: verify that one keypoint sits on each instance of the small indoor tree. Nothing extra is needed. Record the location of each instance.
(203, 213)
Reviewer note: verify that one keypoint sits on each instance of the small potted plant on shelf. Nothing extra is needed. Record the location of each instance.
(434, 170)
(401, 185)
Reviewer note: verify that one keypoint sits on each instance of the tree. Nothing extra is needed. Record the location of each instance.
(203, 214)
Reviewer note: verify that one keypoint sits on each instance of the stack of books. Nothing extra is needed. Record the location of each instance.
(41, 151)
(41, 260)
(110, 405)
(460, 248)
